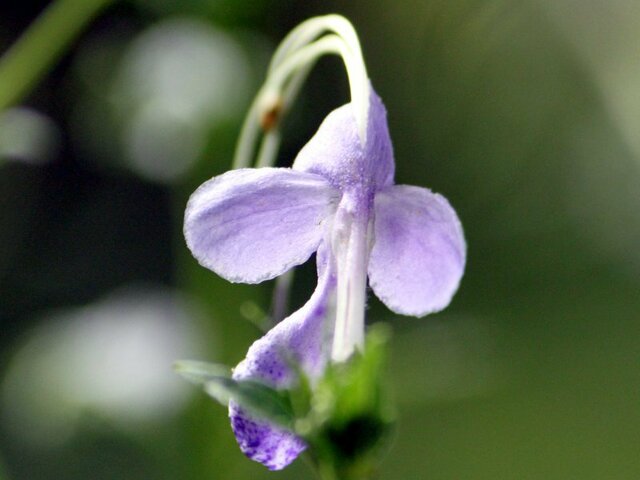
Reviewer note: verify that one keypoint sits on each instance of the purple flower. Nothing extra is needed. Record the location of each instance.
(339, 200)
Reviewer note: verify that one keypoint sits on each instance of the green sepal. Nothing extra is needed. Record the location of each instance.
(350, 414)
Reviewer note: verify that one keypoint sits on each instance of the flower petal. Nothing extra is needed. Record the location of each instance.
(303, 337)
(274, 447)
(419, 251)
(251, 225)
(336, 153)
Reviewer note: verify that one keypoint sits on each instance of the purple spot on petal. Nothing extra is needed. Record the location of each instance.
(275, 448)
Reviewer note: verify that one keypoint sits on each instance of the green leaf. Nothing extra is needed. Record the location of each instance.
(258, 399)
(201, 372)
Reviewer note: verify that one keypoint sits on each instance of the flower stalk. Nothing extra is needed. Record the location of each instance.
(41, 45)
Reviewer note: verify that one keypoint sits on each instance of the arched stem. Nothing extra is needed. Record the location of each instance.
(289, 68)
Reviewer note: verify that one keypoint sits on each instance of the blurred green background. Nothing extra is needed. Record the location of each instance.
(525, 114)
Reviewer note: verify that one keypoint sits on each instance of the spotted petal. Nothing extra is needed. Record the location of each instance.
(251, 225)
(303, 338)
(419, 250)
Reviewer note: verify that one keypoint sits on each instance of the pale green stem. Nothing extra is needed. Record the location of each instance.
(326, 472)
(41, 45)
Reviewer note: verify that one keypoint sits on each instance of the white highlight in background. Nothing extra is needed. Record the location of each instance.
(113, 358)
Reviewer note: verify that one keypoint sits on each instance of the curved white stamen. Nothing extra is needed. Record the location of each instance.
(268, 149)
(308, 31)
(309, 54)
(286, 76)
(248, 135)
(311, 29)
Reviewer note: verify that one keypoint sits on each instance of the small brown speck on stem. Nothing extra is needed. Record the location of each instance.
(271, 115)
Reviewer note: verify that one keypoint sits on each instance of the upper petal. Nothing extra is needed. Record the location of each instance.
(419, 251)
(305, 338)
(250, 225)
(335, 151)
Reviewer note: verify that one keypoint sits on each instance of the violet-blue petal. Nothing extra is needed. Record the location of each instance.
(336, 153)
(274, 447)
(304, 338)
(419, 251)
(251, 225)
